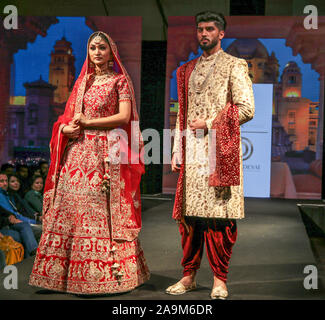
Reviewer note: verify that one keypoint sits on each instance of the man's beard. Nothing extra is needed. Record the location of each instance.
(206, 47)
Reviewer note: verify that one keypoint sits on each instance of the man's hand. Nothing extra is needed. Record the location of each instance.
(198, 124)
(13, 220)
(182, 221)
(1, 235)
(176, 160)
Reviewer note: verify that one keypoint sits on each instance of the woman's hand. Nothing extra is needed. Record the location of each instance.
(71, 130)
(80, 119)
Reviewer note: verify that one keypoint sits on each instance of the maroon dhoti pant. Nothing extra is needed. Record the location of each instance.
(219, 236)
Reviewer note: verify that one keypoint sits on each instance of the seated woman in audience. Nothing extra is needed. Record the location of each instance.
(34, 197)
(8, 203)
(23, 174)
(22, 205)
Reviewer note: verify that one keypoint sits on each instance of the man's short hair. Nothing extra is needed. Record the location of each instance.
(42, 162)
(3, 173)
(5, 166)
(211, 16)
(19, 166)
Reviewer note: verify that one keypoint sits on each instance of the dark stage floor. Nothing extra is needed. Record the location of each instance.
(268, 259)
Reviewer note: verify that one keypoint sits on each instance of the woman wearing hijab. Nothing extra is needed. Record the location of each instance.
(92, 207)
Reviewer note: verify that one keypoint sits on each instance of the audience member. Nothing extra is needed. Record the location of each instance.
(44, 165)
(7, 168)
(34, 197)
(22, 205)
(23, 174)
(11, 222)
(35, 171)
(7, 203)
(5, 218)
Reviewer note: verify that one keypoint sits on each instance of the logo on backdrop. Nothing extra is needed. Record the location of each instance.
(248, 148)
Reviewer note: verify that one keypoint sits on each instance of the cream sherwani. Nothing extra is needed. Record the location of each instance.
(227, 80)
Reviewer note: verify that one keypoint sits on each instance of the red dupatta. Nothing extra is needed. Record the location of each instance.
(124, 192)
(224, 158)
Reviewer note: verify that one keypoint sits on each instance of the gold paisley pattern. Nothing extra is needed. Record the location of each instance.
(77, 252)
(229, 81)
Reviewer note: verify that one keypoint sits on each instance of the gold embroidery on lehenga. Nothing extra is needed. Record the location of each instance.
(76, 251)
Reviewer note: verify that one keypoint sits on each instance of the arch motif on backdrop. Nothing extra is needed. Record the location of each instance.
(128, 36)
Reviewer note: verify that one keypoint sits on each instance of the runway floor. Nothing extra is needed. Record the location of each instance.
(268, 260)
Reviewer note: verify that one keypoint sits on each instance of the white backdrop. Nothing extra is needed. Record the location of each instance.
(256, 144)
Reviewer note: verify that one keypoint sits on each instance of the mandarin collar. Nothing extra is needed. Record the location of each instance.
(212, 56)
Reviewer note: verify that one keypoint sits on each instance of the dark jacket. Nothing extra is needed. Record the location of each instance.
(4, 215)
(35, 200)
(22, 205)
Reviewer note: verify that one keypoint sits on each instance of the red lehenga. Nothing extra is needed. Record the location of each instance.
(90, 240)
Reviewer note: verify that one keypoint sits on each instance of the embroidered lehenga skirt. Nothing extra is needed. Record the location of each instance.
(76, 252)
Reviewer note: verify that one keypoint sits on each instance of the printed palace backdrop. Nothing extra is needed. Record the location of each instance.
(44, 69)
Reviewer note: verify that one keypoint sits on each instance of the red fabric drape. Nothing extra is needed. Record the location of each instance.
(183, 76)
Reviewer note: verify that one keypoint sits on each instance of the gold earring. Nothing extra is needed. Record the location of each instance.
(111, 64)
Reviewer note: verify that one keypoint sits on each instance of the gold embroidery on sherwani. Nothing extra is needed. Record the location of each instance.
(229, 80)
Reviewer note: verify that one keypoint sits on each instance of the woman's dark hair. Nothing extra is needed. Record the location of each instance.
(98, 33)
(19, 166)
(13, 175)
(211, 16)
(34, 177)
(33, 171)
(16, 196)
(42, 162)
